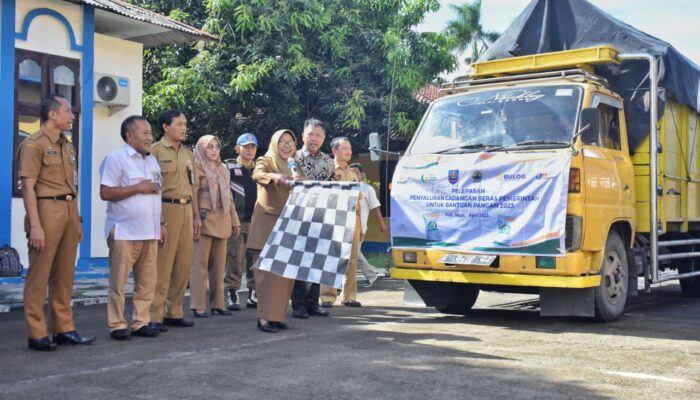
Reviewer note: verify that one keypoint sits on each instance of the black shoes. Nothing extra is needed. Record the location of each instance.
(352, 303)
(42, 344)
(252, 301)
(267, 327)
(157, 326)
(300, 313)
(72, 338)
(317, 312)
(145, 331)
(279, 325)
(220, 311)
(120, 334)
(232, 300)
(179, 322)
(200, 314)
(327, 304)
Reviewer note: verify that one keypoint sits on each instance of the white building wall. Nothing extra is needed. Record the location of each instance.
(46, 35)
(121, 58)
(112, 56)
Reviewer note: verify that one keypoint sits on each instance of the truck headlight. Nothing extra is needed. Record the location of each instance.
(410, 257)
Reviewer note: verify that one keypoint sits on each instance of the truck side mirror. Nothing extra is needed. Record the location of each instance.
(374, 143)
(590, 125)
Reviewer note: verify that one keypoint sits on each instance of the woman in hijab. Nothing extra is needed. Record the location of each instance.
(219, 221)
(272, 175)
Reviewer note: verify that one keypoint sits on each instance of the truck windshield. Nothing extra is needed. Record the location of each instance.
(500, 119)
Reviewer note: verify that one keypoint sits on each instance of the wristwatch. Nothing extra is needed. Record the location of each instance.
(163, 223)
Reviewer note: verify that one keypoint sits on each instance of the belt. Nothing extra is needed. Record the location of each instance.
(176, 201)
(64, 197)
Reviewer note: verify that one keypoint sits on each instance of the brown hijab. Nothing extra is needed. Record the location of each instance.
(273, 153)
(216, 173)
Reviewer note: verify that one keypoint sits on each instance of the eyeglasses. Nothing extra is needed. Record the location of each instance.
(290, 144)
(213, 147)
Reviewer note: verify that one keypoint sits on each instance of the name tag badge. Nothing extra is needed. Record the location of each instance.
(190, 175)
(51, 152)
(237, 172)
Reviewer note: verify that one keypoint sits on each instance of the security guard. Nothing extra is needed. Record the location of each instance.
(244, 195)
(179, 206)
(53, 225)
(342, 151)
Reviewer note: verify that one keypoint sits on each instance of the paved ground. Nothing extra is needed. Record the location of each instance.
(384, 350)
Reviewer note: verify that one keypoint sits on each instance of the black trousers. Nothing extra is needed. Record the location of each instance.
(306, 295)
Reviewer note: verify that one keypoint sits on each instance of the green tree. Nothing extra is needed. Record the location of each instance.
(346, 62)
(467, 32)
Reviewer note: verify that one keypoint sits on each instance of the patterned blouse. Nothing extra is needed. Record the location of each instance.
(316, 168)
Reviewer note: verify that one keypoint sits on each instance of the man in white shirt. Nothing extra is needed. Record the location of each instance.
(130, 182)
(368, 202)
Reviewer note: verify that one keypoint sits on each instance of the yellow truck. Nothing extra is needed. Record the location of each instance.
(522, 179)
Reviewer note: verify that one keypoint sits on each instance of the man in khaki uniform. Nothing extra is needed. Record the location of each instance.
(342, 151)
(53, 225)
(179, 206)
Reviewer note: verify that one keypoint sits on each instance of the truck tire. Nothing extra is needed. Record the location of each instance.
(690, 286)
(461, 300)
(611, 294)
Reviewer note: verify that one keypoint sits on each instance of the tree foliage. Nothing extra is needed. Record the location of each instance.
(467, 32)
(278, 62)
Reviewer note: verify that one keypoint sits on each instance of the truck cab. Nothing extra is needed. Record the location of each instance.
(551, 118)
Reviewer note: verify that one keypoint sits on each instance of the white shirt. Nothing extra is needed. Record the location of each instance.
(368, 202)
(136, 217)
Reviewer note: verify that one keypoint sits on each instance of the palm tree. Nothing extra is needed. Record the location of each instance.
(467, 32)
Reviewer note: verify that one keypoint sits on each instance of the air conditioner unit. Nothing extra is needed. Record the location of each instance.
(111, 91)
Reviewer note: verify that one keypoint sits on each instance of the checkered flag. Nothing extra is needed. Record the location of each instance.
(312, 238)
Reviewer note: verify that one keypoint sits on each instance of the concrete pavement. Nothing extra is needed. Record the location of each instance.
(384, 350)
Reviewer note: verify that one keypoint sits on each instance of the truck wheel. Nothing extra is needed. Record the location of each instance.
(611, 294)
(461, 299)
(690, 286)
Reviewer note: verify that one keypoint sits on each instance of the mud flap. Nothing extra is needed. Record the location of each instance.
(559, 302)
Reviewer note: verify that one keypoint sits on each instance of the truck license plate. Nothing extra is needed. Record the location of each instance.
(467, 259)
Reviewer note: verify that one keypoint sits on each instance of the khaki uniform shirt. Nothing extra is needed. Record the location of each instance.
(345, 174)
(270, 202)
(217, 222)
(177, 168)
(51, 163)
(271, 197)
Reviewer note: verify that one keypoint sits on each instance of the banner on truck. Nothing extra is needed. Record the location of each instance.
(490, 203)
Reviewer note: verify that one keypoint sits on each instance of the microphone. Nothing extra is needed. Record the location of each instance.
(293, 166)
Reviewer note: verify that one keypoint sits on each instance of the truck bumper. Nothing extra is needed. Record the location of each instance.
(490, 278)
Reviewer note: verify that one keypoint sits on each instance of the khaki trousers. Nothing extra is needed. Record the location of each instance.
(273, 293)
(53, 268)
(237, 260)
(174, 263)
(330, 294)
(208, 264)
(125, 256)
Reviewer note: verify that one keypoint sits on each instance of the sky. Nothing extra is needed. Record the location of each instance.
(674, 21)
